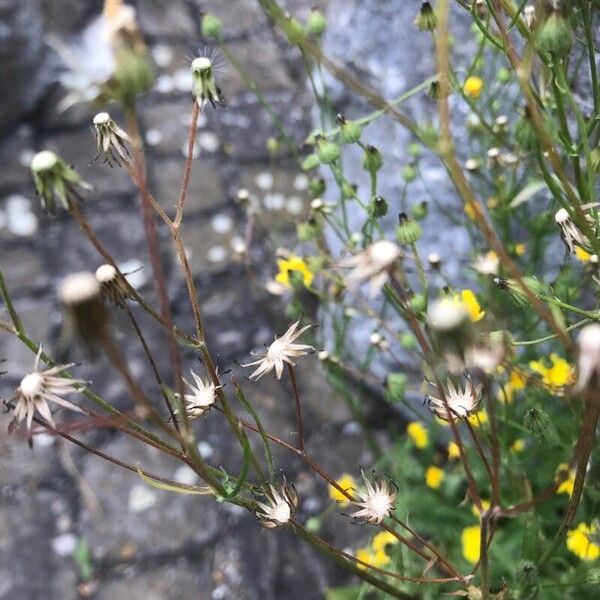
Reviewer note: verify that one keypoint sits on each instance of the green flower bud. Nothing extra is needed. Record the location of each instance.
(409, 174)
(426, 19)
(378, 207)
(328, 152)
(273, 146)
(372, 160)
(316, 186)
(316, 23)
(415, 150)
(555, 35)
(55, 180)
(408, 230)
(313, 524)
(395, 387)
(418, 303)
(349, 131)
(311, 162)
(211, 26)
(420, 210)
(408, 341)
(503, 75)
(516, 291)
(526, 135)
(539, 424)
(308, 230)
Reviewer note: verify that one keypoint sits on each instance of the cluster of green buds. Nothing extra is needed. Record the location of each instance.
(204, 87)
(316, 23)
(378, 207)
(372, 160)
(512, 286)
(55, 180)
(426, 19)
(111, 141)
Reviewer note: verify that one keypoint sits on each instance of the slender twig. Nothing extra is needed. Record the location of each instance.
(298, 408)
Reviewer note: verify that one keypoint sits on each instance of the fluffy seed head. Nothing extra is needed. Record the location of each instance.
(77, 288)
(202, 63)
(102, 118)
(44, 161)
(105, 273)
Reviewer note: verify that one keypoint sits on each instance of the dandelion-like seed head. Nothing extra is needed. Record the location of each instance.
(571, 234)
(282, 350)
(204, 87)
(377, 502)
(38, 388)
(78, 288)
(111, 141)
(460, 403)
(55, 180)
(113, 286)
(280, 505)
(201, 399)
(447, 315)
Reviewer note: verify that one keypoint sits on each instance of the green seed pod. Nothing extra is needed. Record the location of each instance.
(316, 23)
(415, 150)
(408, 230)
(273, 146)
(349, 131)
(503, 75)
(516, 291)
(409, 174)
(426, 19)
(555, 35)
(316, 186)
(372, 160)
(378, 207)
(395, 387)
(211, 26)
(311, 162)
(420, 210)
(328, 152)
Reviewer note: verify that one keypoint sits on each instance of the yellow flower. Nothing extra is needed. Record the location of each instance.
(365, 555)
(453, 451)
(581, 543)
(382, 540)
(471, 543)
(473, 86)
(293, 263)
(518, 446)
(520, 249)
(492, 203)
(469, 301)
(347, 483)
(479, 418)
(567, 484)
(515, 383)
(561, 373)
(485, 505)
(582, 255)
(377, 558)
(434, 477)
(418, 434)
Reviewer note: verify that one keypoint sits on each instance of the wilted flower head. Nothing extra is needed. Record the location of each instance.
(280, 506)
(108, 61)
(588, 365)
(204, 87)
(377, 502)
(487, 264)
(113, 286)
(203, 396)
(570, 233)
(282, 350)
(38, 388)
(111, 140)
(55, 180)
(373, 264)
(460, 403)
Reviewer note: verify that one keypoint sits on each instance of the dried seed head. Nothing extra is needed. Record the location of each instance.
(111, 141)
(426, 19)
(55, 180)
(80, 293)
(280, 505)
(113, 286)
(204, 87)
(377, 502)
(588, 362)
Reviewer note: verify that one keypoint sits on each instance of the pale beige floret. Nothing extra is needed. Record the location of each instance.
(376, 503)
(460, 402)
(281, 351)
